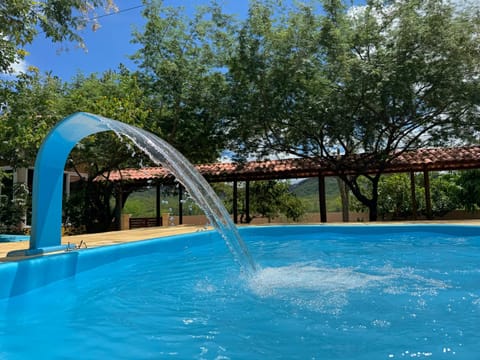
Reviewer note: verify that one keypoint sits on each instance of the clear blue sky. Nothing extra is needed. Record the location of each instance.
(108, 46)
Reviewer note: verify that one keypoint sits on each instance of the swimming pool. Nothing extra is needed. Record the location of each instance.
(322, 292)
(13, 238)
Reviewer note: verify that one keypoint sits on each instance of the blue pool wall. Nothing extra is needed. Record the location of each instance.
(19, 277)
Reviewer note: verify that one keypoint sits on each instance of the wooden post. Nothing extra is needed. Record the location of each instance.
(342, 188)
(247, 202)
(413, 195)
(322, 199)
(118, 208)
(158, 214)
(180, 204)
(428, 200)
(235, 196)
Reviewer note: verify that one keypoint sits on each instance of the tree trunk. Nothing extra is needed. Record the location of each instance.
(372, 212)
(372, 202)
(342, 187)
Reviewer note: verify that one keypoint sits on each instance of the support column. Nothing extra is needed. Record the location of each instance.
(247, 202)
(413, 195)
(428, 200)
(235, 198)
(180, 204)
(158, 214)
(67, 182)
(118, 208)
(322, 199)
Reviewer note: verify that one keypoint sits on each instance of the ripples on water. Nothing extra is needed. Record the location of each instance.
(332, 297)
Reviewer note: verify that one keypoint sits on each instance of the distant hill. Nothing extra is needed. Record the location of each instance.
(307, 190)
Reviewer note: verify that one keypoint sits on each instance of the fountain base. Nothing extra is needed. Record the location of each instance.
(41, 251)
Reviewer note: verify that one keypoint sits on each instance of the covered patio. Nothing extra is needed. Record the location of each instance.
(420, 161)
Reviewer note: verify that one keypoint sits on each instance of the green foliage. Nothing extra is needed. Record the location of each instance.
(182, 72)
(13, 208)
(143, 203)
(59, 20)
(31, 107)
(368, 84)
(394, 196)
(469, 194)
(115, 95)
(307, 192)
(33, 104)
(270, 199)
(267, 199)
(395, 200)
(74, 214)
(445, 193)
(356, 87)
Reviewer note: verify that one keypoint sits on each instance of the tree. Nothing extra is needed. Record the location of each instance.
(34, 103)
(395, 201)
(268, 199)
(394, 196)
(181, 62)
(31, 105)
(115, 95)
(469, 193)
(445, 193)
(271, 199)
(14, 204)
(355, 87)
(59, 20)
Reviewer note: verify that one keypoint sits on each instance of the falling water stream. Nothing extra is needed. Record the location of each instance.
(167, 156)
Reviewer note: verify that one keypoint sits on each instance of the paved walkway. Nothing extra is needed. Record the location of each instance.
(106, 238)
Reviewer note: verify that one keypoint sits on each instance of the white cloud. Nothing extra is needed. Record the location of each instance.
(20, 66)
(17, 68)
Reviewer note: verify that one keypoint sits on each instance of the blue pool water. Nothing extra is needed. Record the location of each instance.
(322, 292)
(13, 238)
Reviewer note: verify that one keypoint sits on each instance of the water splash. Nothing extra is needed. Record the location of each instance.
(162, 153)
(300, 277)
(311, 287)
(322, 288)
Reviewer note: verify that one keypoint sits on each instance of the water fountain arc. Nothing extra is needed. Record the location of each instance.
(48, 182)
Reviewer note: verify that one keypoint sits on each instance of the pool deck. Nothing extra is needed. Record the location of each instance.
(118, 237)
(105, 238)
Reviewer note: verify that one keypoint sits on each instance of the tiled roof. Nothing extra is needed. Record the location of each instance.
(438, 159)
(420, 160)
(145, 173)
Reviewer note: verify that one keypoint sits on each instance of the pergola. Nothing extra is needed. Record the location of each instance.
(422, 160)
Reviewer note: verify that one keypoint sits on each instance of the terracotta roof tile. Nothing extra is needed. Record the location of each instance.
(422, 159)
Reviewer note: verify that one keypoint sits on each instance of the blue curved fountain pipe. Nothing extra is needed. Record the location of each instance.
(48, 181)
